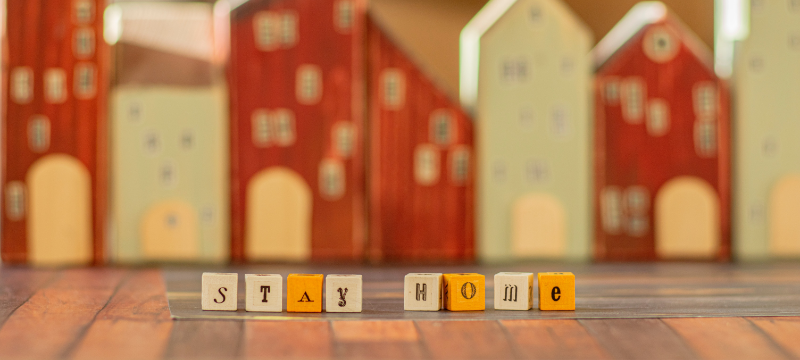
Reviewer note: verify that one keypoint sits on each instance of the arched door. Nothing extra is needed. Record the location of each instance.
(278, 216)
(539, 227)
(169, 232)
(60, 222)
(687, 217)
(784, 213)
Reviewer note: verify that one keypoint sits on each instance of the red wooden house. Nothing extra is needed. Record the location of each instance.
(662, 140)
(315, 84)
(54, 171)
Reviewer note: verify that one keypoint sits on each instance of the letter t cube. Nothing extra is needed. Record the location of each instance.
(423, 292)
(219, 291)
(556, 291)
(513, 291)
(263, 292)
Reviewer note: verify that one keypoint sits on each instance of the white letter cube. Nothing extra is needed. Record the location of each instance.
(513, 291)
(422, 292)
(220, 291)
(263, 292)
(343, 293)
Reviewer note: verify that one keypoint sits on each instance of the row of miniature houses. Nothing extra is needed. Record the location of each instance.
(341, 146)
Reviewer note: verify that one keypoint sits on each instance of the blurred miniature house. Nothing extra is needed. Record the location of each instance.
(767, 168)
(169, 134)
(662, 142)
(315, 84)
(526, 74)
(54, 170)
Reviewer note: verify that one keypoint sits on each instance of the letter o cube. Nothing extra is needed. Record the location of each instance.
(343, 293)
(464, 292)
(422, 292)
(556, 291)
(304, 293)
(263, 292)
(220, 291)
(513, 291)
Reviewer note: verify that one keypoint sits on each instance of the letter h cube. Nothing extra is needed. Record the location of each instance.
(423, 292)
(513, 291)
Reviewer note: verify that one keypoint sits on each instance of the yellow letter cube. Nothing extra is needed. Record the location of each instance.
(464, 292)
(304, 293)
(556, 291)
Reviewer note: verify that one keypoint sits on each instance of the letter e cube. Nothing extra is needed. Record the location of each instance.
(304, 293)
(513, 291)
(464, 292)
(263, 292)
(220, 291)
(423, 292)
(343, 293)
(556, 291)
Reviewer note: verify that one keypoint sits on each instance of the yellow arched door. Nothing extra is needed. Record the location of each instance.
(169, 232)
(278, 220)
(784, 213)
(687, 217)
(60, 221)
(539, 227)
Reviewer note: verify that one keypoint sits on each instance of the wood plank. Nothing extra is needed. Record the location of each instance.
(465, 340)
(18, 285)
(377, 340)
(784, 331)
(638, 339)
(286, 339)
(552, 339)
(725, 338)
(135, 324)
(55, 317)
(205, 339)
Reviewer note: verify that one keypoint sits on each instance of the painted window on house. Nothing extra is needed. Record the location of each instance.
(15, 200)
(537, 171)
(442, 127)
(638, 226)
(560, 126)
(611, 93)
(633, 97)
(426, 165)
(527, 118)
(84, 43)
(344, 139)
(55, 86)
(284, 127)
(85, 81)
(705, 99)
(288, 29)
(567, 66)
(459, 165)
(331, 179)
(309, 84)
(657, 117)
(499, 171)
(135, 112)
(187, 139)
(611, 205)
(152, 142)
(536, 15)
(168, 174)
(266, 27)
(83, 11)
(514, 71)
(660, 44)
(705, 137)
(39, 133)
(261, 128)
(343, 16)
(637, 200)
(794, 5)
(394, 88)
(22, 85)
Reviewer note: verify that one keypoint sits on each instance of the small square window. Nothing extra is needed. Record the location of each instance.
(344, 139)
(459, 165)
(84, 43)
(394, 88)
(794, 5)
(637, 200)
(343, 16)
(660, 44)
(515, 71)
(283, 123)
(537, 171)
(770, 146)
(22, 85)
(83, 11)
(288, 29)
(705, 138)
(85, 81)
(612, 91)
(261, 128)
(187, 139)
(633, 97)
(442, 127)
(611, 205)
(331, 179)
(135, 112)
(55, 86)
(705, 99)
(152, 142)
(168, 174)
(15, 200)
(308, 88)
(39, 133)
(560, 125)
(638, 226)
(266, 27)
(657, 117)
(536, 15)
(426, 165)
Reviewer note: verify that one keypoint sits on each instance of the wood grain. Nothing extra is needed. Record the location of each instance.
(551, 339)
(783, 331)
(54, 318)
(377, 340)
(135, 324)
(18, 286)
(205, 339)
(638, 339)
(281, 339)
(465, 340)
(725, 338)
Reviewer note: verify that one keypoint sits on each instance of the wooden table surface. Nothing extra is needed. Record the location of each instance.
(110, 313)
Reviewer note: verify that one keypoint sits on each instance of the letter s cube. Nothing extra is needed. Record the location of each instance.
(556, 291)
(219, 291)
(422, 292)
(304, 293)
(464, 292)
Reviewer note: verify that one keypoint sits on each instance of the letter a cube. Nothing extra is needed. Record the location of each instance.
(219, 291)
(556, 291)
(263, 292)
(304, 293)
(464, 292)
(423, 292)
(343, 293)
(513, 291)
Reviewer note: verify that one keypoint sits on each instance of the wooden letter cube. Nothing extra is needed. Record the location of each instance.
(220, 291)
(513, 291)
(556, 291)
(263, 292)
(304, 293)
(343, 293)
(464, 292)
(422, 292)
